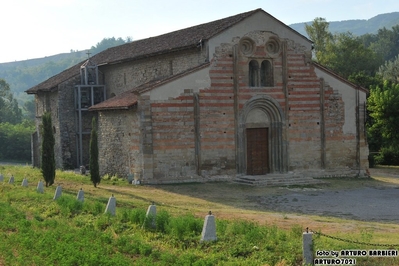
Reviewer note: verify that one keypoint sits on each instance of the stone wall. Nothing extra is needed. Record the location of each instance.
(48, 102)
(119, 143)
(125, 76)
(67, 123)
(61, 104)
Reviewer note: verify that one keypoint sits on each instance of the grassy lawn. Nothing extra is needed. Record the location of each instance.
(37, 230)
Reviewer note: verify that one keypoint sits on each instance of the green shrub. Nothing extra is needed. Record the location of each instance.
(388, 156)
(185, 227)
(15, 141)
(162, 221)
(372, 160)
(93, 160)
(69, 206)
(48, 156)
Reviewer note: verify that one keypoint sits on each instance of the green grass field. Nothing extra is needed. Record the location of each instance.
(37, 230)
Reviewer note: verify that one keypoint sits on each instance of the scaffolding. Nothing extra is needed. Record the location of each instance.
(89, 93)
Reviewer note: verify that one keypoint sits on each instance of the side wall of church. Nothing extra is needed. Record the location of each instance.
(322, 123)
(48, 102)
(119, 143)
(173, 139)
(61, 104)
(67, 123)
(125, 76)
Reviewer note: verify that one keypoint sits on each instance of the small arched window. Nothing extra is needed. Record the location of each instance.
(266, 74)
(253, 73)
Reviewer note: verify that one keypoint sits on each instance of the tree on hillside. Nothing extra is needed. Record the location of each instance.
(386, 43)
(366, 81)
(347, 55)
(383, 105)
(48, 157)
(343, 53)
(390, 70)
(108, 43)
(29, 108)
(93, 163)
(9, 109)
(319, 33)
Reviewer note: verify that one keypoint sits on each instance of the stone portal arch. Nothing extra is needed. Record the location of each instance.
(262, 112)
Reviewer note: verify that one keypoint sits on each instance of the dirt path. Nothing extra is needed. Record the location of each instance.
(338, 206)
(330, 207)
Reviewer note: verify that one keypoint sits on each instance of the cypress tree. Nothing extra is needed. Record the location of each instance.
(93, 164)
(48, 157)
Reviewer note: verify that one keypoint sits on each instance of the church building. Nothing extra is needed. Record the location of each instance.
(238, 97)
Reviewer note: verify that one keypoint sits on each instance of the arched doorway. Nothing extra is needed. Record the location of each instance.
(261, 148)
(257, 144)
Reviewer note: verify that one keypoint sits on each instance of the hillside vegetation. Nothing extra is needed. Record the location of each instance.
(356, 26)
(22, 75)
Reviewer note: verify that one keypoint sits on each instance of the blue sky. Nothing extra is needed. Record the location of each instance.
(37, 28)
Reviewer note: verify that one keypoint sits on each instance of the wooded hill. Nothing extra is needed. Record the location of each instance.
(22, 75)
(356, 26)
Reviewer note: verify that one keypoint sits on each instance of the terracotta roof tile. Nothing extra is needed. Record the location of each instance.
(122, 101)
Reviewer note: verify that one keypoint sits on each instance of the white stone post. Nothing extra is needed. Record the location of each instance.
(40, 188)
(111, 206)
(24, 182)
(209, 228)
(81, 195)
(58, 192)
(307, 244)
(11, 180)
(151, 214)
(1, 178)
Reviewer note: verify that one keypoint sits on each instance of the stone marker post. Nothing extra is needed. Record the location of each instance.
(81, 195)
(130, 178)
(111, 206)
(209, 228)
(307, 244)
(58, 192)
(1, 178)
(11, 180)
(24, 182)
(151, 214)
(40, 187)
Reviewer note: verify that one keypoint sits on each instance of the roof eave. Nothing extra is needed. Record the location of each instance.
(112, 108)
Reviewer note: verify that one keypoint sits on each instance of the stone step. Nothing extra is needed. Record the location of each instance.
(276, 180)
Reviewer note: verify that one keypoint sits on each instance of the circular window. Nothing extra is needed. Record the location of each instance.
(247, 46)
(273, 46)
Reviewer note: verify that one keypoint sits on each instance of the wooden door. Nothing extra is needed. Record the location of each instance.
(257, 151)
